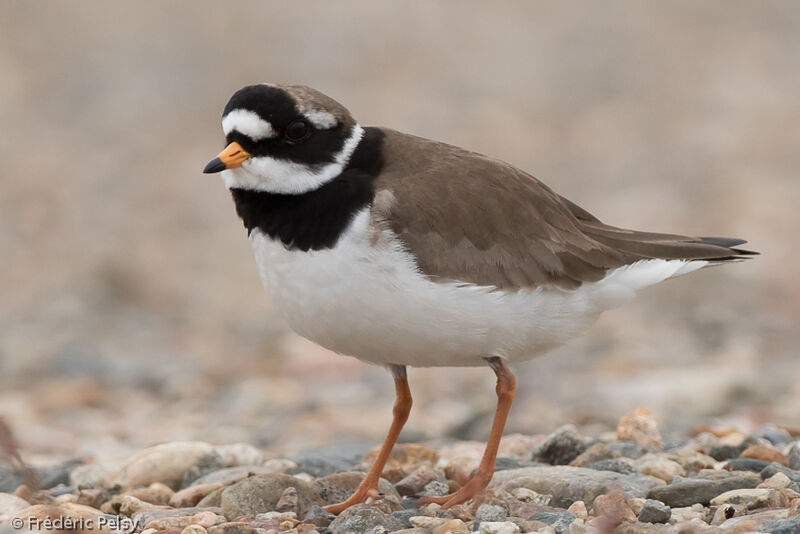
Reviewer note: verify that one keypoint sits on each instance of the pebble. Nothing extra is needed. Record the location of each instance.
(155, 493)
(726, 511)
(192, 495)
(234, 454)
(614, 465)
(688, 492)
(757, 522)
(627, 449)
(10, 504)
(639, 427)
(261, 493)
(415, 482)
(337, 487)
(530, 496)
(569, 484)
(776, 436)
(206, 464)
(614, 506)
(405, 457)
(456, 526)
(205, 519)
(579, 509)
(561, 447)
(789, 525)
(764, 452)
(165, 463)
(322, 461)
(659, 467)
(793, 456)
(560, 521)
(688, 513)
(194, 529)
(746, 464)
(777, 481)
(317, 516)
(360, 518)
(500, 527)
(753, 498)
(89, 475)
(654, 512)
(491, 513)
(725, 452)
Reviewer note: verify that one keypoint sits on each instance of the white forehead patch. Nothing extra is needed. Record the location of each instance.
(247, 123)
(320, 119)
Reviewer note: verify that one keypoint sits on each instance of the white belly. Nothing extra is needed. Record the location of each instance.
(366, 298)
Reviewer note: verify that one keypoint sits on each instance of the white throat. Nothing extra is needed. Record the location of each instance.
(273, 175)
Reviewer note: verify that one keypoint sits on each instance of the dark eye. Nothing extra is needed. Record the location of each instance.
(296, 130)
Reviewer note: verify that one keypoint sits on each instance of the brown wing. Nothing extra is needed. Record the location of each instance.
(469, 218)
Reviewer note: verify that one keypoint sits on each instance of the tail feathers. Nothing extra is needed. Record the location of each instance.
(647, 245)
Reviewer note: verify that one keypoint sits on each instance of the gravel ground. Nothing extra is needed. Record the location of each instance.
(631, 480)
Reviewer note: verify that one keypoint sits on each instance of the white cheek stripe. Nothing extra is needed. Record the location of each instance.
(320, 119)
(247, 123)
(281, 176)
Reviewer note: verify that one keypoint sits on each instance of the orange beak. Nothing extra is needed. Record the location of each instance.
(233, 156)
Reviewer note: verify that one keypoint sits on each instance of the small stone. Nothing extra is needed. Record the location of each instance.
(261, 493)
(317, 516)
(9, 505)
(615, 465)
(426, 522)
(530, 496)
(746, 464)
(130, 505)
(231, 475)
(793, 457)
(654, 512)
(155, 493)
(194, 529)
(688, 492)
(212, 500)
(456, 526)
(560, 521)
(323, 461)
(436, 488)
(88, 476)
(239, 454)
(339, 486)
(764, 452)
(615, 507)
(640, 427)
(725, 452)
(177, 519)
(192, 495)
(776, 436)
(233, 528)
(777, 481)
(360, 518)
(696, 512)
(627, 449)
(726, 511)
(415, 482)
(596, 452)
(579, 509)
(789, 525)
(289, 501)
(164, 463)
(568, 484)
(204, 465)
(499, 527)
(93, 497)
(752, 498)
(406, 457)
(561, 447)
(659, 467)
(774, 468)
(490, 512)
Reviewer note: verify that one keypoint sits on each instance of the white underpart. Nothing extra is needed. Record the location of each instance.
(247, 123)
(366, 298)
(320, 119)
(283, 176)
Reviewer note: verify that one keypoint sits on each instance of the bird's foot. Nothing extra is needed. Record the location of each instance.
(469, 490)
(362, 493)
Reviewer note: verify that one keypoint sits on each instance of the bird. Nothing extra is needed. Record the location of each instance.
(407, 252)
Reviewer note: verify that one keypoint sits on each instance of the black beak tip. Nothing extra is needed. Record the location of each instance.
(215, 165)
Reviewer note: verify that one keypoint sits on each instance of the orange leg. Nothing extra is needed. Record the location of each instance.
(402, 407)
(506, 383)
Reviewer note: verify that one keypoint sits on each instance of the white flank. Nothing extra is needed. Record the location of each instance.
(282, 176)
(247, 123)
(366, 298)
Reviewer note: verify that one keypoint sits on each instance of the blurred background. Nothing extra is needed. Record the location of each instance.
(131, 312)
